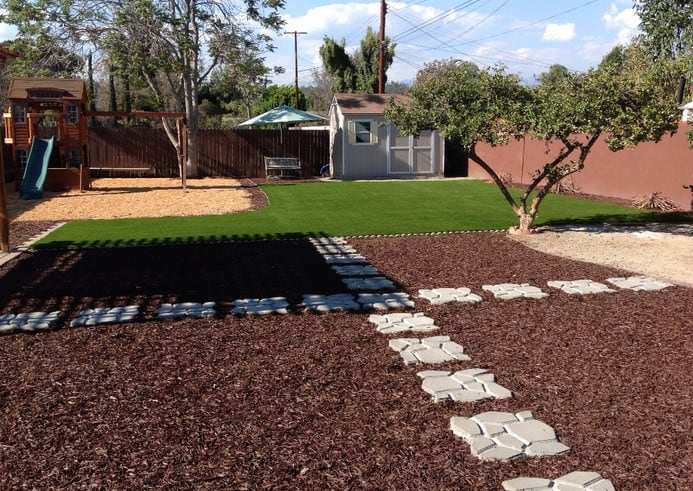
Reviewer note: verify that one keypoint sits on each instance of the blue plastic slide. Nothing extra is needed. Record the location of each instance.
(36, 168)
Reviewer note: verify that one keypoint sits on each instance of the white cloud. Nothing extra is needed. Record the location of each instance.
(625, 22)
(559, 32)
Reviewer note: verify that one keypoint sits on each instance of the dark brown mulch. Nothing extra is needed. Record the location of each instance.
(306, 401)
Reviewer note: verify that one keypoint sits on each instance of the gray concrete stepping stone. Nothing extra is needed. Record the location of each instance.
(328, 303)
(505, 436)
(402, 322)
(356, 270)
(439, 296)
(384, 301)
(580, 287)
(186, 309)
(474, 384)
(335, 249)
(260, 306)
(105, 315)
(510, 291)
(639, 283)
(27, 321)
(328, 240)
(575, 481)
(437, 349)
(344, 259)
(369, 283)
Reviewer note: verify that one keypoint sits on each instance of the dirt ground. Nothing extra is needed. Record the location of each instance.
(135, 198)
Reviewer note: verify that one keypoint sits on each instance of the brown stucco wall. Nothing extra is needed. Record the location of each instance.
(631, 173)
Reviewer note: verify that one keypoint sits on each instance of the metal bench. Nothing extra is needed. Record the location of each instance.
(282, 164)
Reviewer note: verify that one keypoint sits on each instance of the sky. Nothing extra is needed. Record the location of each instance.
(527, 36)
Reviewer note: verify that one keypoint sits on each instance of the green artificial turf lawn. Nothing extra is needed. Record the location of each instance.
(343, 209)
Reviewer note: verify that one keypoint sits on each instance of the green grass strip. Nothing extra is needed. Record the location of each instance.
(345, 208)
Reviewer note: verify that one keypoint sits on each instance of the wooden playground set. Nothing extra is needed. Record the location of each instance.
(46, 126)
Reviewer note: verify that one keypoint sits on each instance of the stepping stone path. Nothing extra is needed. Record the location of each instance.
(402, 322)
(491, 435)
(474, 384)
(580, 287)
(639, 283)
(510, 291)
(27, 322)
(439, 296)
(260, 306)
(104, 315)
(575, 481)
(437, 349)
(329, 303)
(187, 309)
(506, 436)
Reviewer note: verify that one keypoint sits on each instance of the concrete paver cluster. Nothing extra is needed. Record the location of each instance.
(639, 283)
(473, 384)
(395, 323)
(580, 287)
(186, 309)
(27, 322)
(505, 436)
(436, 349)
(510, 291)
(328, 303)
(105, 315)
(260, 306)
(439, 296)
(575, 481)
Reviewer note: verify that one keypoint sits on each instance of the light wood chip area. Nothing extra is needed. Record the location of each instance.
(134, 198)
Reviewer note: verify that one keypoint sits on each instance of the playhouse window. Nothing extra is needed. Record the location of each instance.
(72, 113)
(20, 114)
(364, 132)
(21, 157)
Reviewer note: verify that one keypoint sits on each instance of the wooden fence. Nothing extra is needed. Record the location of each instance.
(221, 153)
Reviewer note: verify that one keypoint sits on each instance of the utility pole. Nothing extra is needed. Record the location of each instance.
(381, 50)
(295, 34)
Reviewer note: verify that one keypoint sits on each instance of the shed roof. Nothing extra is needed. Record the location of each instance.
(72, 88)
(366, 104)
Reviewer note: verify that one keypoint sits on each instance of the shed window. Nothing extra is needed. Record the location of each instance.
(363, 132)
(72, 113)
(19, 114)
(74, 157)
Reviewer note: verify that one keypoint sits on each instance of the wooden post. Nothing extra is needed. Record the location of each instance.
(5, 54)
(381, 50)
(4, 219)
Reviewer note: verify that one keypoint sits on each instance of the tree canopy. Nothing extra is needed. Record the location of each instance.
(627, 101)
(357, 72)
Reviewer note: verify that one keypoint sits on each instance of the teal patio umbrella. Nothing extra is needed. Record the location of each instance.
(282, 116)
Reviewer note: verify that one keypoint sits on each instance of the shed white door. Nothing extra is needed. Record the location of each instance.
(408, 154)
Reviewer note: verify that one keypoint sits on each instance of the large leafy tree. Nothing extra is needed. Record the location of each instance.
(667, 27)
(357, 72)
(627, 101)
(173, 44)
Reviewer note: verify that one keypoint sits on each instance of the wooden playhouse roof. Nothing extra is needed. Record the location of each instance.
(71, 88)
(366, 104)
